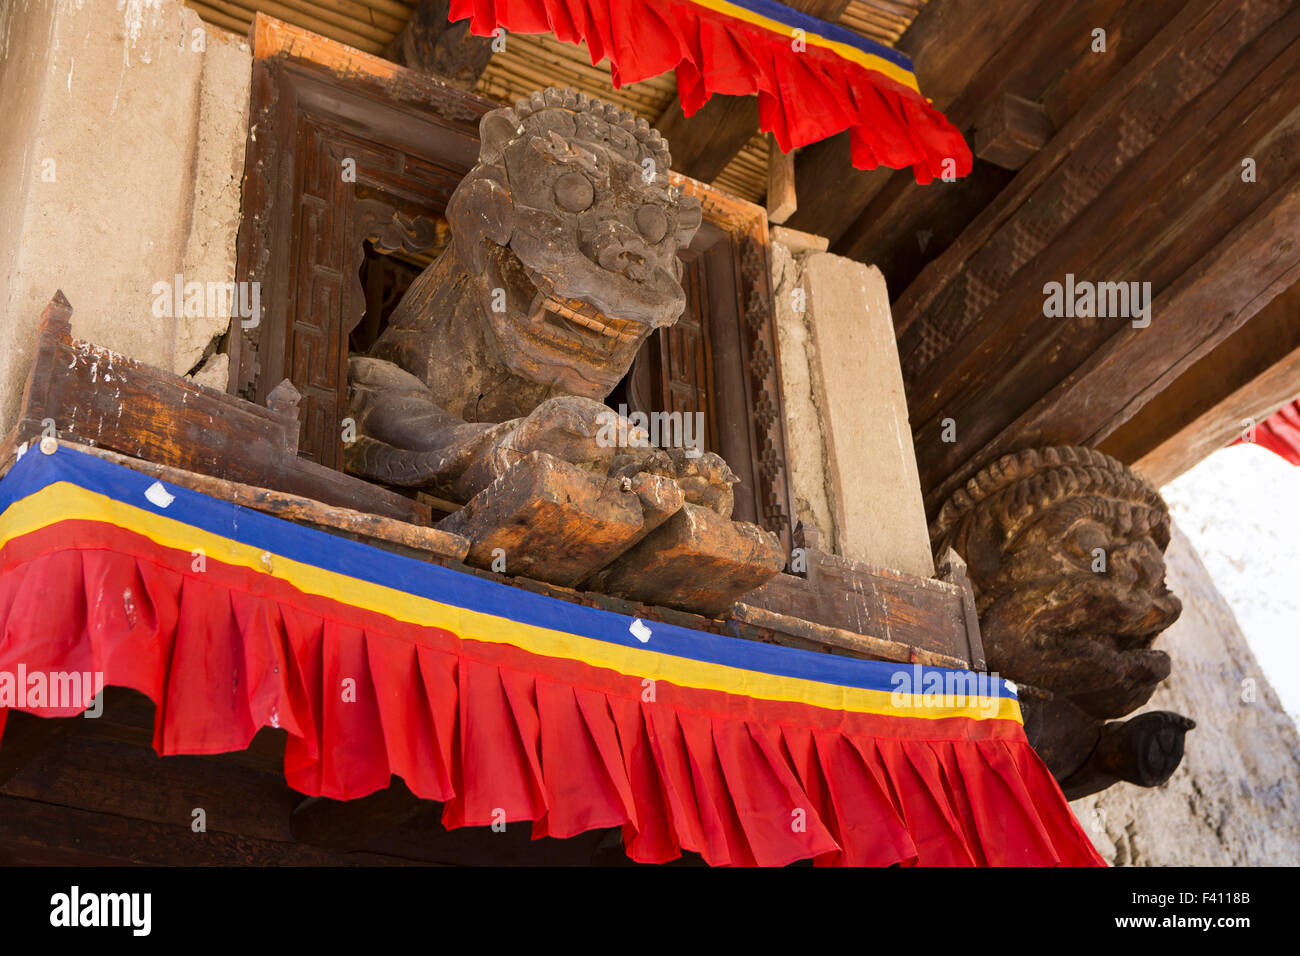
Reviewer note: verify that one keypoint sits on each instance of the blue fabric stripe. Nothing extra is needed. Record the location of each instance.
(797, 18)
(445, 585)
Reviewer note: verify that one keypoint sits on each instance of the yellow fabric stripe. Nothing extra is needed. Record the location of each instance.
(869, 60)
(63, 501)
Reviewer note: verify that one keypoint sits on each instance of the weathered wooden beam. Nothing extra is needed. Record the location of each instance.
(348, 824)
(25, 736)
(1011, 131)
(1064, 217)
(549, 520)
(798, 242)
(98, 397)
(1128, 233)
(774, 626)
(1110, 135)
(781, 198)
(102, 796)
(441, 49)
(952, 569)
(395, 821)
(697, 561)
(36, 830)
(905, 226)
(901, 608)
(1254, 264)
(1247, 377)
(423, 541)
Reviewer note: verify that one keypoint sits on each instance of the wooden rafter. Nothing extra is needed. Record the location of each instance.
(1048, 61)
(1215, 298)
(782, 200)
(975, 344)
(1247, 378)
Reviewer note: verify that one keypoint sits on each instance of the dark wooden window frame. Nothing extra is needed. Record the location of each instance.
(734, 253)
(315, 104)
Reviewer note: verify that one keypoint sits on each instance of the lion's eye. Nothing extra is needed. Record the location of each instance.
(651, 223)
(1084, 541)
(574, 192)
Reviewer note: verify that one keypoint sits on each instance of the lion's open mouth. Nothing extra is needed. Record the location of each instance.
(573, 326)
(579, 316)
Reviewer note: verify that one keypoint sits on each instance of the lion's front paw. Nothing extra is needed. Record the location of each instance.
(705, 479)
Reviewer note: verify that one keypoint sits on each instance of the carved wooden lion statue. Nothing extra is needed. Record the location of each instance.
(563, 260)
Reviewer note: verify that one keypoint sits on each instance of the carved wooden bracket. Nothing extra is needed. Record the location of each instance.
(445, 50)
(1064, 548)
(391, 229)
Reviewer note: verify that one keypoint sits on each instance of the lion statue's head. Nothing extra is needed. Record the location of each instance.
(572, 231)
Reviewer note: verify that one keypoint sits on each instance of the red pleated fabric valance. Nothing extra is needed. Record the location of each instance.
(499, 702)
(813, 79)
(1279, 433)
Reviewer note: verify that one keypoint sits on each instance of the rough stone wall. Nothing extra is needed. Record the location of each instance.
(1235, 799)
(133, 119)
(853, 468)
(801, 392)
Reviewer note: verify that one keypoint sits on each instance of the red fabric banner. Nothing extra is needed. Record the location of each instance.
(803, 96)
(498, 702)
(1280, 433)
(487, 728)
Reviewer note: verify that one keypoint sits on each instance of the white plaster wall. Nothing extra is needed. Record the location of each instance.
(1235, 799)
(26, 33)
(1240, 508)
(218, 176)
(140, 112)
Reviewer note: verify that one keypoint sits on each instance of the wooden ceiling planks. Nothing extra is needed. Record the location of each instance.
(367, 25)
(532, 62)
(880, 20)
(746, 174)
